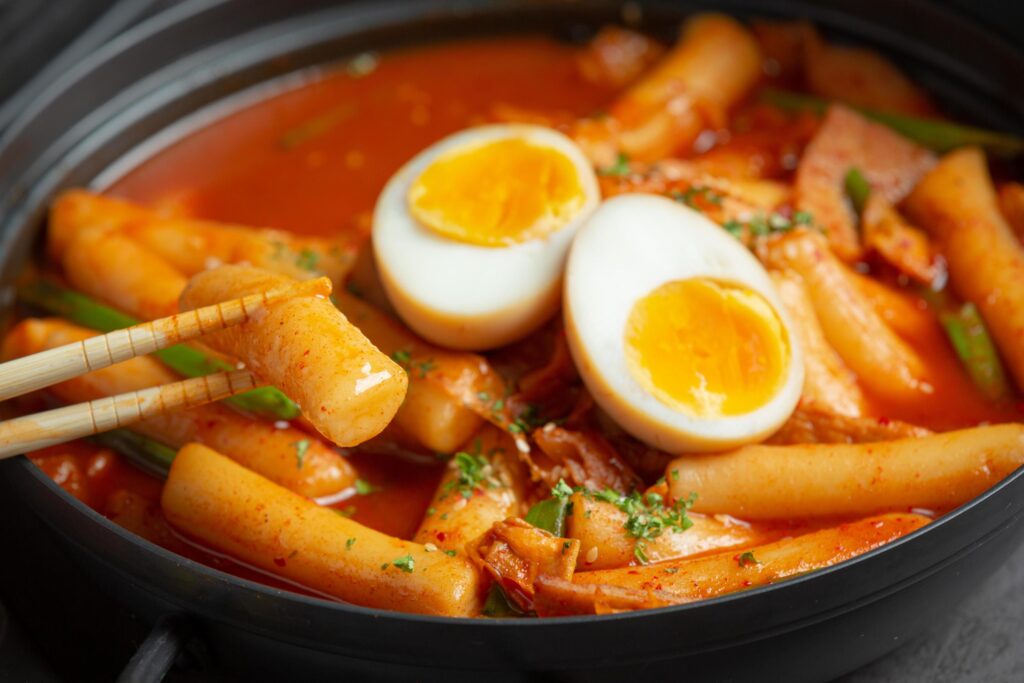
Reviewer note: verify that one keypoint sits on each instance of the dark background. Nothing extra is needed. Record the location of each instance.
(59, 628)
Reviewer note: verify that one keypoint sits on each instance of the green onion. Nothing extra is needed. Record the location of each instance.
(498, 604)
(74, 306)
(976, 350)
(186, 360)
(938, 135)
(143, 452)
(857, 188)
(972, 342)
(549, 515)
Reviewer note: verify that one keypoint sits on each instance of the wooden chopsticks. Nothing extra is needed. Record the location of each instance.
(43, 369)
(23, 434)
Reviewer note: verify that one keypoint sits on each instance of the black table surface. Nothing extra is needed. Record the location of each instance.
(59, 628)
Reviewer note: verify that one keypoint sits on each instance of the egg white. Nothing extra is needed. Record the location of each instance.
(466, 296)
(630, 246)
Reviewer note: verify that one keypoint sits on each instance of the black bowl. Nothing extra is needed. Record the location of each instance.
(152, 84)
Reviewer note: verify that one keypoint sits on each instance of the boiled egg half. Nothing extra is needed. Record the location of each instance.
(470, 237)
(676, 328)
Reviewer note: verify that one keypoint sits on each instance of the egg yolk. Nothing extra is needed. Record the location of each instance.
(497, 193)
(706, 348)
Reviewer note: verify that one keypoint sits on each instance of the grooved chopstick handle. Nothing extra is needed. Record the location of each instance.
(32, 432)
(39, 370)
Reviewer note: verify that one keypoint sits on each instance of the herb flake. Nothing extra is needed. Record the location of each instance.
(620, 168)
(762, 225)
(746, 559)
(307, 259)
(647, 515)
(561, 490)
(426, 366)
(472, 471)
(365, 488)
(407, 564)
(697, 196)
(300, 446)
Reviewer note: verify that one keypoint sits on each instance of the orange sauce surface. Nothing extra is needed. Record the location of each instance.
(313, 159)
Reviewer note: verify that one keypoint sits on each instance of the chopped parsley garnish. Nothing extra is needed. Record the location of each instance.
(301, 447)
(803, 218)
(565, 546)
(746, 558)
(608, 496)
(762, 225)
(426, 366)
(496, 406)
(431, 511)
(349, 543)
(675, 475)
(640, 551)
(526, 421)
(404, 358)
(561, 490)
(692, 194)
(647, 516)
(733, 227)
(451, 553)
(619, 168)
(307, 259)
(365, 488)
(472, 471)
(406, 564)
